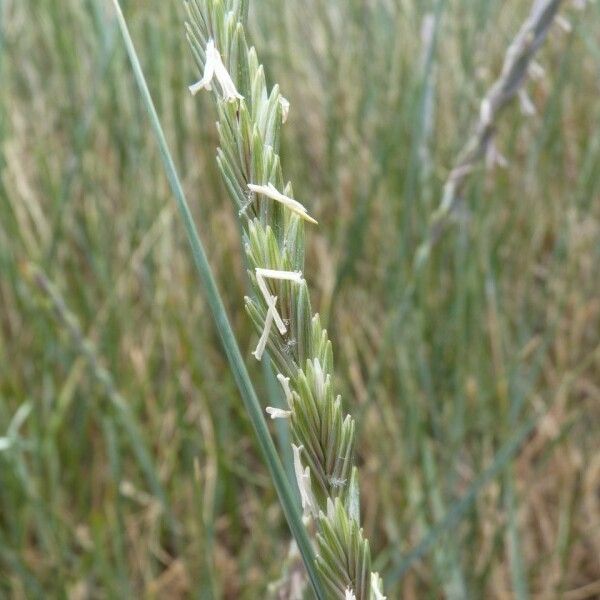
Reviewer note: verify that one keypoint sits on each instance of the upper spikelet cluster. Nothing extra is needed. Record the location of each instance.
(273, 221)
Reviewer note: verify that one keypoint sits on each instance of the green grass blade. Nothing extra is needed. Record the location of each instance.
(121, 408)
(503, 457)
(516, 558)
(217, 308)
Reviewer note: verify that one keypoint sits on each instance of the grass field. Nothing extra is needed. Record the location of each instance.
(128, 466)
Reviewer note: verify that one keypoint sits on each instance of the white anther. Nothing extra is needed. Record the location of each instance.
(285, 384)
(264, 338)
(309, 503)
(285, 108)
(270, 191)
(278, 413)
(261, 275)
(214, 67)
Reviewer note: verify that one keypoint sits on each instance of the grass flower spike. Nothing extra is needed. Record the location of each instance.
(272, 221)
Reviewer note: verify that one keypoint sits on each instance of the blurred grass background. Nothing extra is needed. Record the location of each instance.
(127, 465)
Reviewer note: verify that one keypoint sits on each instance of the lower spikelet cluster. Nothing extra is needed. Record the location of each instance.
(272, 220)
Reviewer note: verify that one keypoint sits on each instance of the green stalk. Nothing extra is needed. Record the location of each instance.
(226, 334)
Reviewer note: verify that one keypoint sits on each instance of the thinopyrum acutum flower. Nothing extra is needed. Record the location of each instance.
(272, 223)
